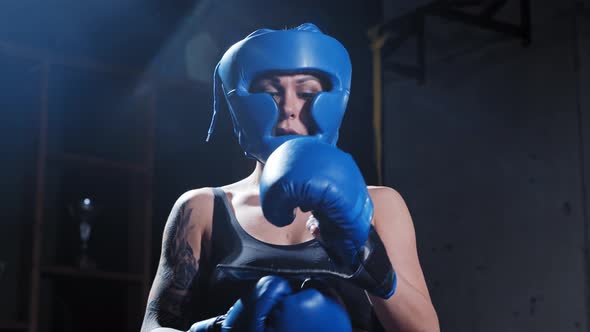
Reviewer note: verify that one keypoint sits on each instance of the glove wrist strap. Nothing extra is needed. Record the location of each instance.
(208, 325)
(375, 272)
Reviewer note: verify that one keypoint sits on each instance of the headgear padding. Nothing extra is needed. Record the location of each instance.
(304, 49)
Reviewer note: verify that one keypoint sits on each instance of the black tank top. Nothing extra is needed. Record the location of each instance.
(232, 245)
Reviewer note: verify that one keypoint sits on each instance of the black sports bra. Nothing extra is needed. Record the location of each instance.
(232, 246)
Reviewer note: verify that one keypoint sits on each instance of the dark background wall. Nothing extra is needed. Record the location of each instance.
(490, 152)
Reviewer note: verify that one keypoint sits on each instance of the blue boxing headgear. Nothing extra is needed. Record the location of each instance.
(254, 115)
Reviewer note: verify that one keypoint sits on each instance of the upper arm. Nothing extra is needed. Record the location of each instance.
(186, 228)
(394, 225)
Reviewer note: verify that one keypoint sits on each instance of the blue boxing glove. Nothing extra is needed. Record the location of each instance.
(318, 177)
(308, 310)
(251, 311)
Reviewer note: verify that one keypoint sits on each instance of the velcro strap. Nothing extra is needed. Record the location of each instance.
(375, 272)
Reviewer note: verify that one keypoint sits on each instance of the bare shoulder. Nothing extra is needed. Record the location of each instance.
(199, 201)
(386, 197)
(191, 217)
(382, 192)
(390, 210)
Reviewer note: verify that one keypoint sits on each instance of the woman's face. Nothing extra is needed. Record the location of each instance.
(293, 94)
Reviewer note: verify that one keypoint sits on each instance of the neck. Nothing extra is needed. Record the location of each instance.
(254, 177)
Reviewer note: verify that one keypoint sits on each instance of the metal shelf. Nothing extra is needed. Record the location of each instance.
(13, 326)
(73, 272)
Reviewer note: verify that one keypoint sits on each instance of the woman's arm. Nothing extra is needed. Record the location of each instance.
(187, 226)
(410, 307)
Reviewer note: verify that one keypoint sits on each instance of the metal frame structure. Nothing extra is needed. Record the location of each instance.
(390, 36)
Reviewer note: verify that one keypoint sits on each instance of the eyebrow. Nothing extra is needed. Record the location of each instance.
(308, 78)
(275, 79)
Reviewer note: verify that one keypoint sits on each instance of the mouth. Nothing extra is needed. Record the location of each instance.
(285, 132)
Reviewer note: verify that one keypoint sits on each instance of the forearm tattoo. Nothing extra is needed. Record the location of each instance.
(177, 271)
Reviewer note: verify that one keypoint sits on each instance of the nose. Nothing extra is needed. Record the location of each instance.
(290, 105)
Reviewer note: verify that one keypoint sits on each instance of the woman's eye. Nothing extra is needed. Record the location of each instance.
(307, 95)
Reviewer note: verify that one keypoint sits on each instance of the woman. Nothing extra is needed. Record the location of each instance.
(289, 89)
